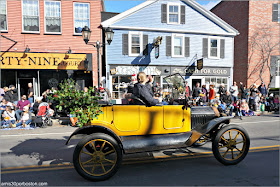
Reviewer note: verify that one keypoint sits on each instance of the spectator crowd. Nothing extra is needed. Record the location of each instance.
(239, 100)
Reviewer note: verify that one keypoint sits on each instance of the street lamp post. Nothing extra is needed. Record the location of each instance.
(86, 32)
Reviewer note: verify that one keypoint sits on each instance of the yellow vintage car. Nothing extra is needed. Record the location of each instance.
(125, 129)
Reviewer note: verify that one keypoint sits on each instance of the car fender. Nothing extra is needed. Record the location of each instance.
(95, 129)
(203, 129)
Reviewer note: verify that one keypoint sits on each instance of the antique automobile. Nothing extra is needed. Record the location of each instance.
(134, 128)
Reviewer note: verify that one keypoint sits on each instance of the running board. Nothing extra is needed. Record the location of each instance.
(137, 144)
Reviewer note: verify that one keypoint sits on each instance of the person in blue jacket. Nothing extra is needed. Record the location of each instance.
(263, 89)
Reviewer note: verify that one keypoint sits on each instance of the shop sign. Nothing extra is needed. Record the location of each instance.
(191, 70)
(130, 70)
(11, 60)
(200, 64)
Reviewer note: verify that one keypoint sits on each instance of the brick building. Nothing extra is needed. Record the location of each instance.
(41, 42)
(259, 25)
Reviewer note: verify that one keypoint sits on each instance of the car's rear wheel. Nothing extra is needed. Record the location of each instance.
(231, 145)
(97, 157)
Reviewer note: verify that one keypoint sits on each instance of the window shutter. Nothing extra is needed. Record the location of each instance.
(164, 13)
(168, 45)
(187, 46)
(125, 44)
(145, 45)
(222, 48)
(205, 47)
(275, 12)
(183, 14)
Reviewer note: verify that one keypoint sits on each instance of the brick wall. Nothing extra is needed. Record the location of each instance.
(49, 42)
(236, 13)
(247, 18)
(260, 21)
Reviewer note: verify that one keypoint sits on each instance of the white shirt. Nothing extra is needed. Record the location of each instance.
(235, 90)
(9, 116)
(25, 117)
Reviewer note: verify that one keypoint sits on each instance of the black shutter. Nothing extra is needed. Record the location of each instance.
(187, 46)
(275, 12)
(205, 47)
(125, 44)
(168, 45)
(183, 14)
(164, 13)
(222, 48)
(145, 45)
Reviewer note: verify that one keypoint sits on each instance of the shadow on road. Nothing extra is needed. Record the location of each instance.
(52, 150)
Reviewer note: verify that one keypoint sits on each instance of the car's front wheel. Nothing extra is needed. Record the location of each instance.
(97, 157)
(231, 145)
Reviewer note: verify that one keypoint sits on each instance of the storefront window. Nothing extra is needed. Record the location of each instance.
(120, 85)
(53, 16)
(81, 16)
(8, 77)
(3, 15)
(217, 81)
(30, 14)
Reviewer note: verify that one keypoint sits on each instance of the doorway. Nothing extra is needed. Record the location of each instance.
(194, 81)
(23, 86)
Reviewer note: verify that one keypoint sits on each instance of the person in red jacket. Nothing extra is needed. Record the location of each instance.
(211, 93)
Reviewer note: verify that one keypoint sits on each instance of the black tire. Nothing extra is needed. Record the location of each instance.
(234, 139)
(97, 149)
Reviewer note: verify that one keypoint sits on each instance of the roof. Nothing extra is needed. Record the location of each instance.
(192, 3)
(107, 15)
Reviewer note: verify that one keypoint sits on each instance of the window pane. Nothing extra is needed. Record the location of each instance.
(213, 52)
(3, 19)
(3, 4)
(177, 41)
(176, 9)
(173, 18)
(171, 9)
(135, 50)
(177, 50)
(214, 43)
(30, 15)
(81, 16)
(177, 45)
(52, 19)
(135, 39)
(173, 14)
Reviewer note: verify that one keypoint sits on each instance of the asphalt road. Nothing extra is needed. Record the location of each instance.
(40, 155)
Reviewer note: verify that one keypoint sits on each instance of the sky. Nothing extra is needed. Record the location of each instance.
(123, 5)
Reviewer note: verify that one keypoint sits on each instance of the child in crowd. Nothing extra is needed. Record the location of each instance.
(236, 109)
(9, 117)
(25, 118)
(245, 109)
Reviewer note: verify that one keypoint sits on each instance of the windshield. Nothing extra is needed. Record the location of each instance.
(175, 86)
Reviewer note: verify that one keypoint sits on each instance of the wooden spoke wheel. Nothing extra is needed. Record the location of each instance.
(97, 157)
(201, 141)
(231, 145)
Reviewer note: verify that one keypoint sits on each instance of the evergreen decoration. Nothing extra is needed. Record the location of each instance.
(83, 105)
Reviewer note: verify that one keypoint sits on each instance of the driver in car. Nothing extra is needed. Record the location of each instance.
(143, 92)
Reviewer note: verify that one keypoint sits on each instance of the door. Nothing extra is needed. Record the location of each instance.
(126, 117)
(173, 116)
(23, 86)
(194, 79)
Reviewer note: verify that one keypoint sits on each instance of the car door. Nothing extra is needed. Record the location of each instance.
(173, 116)
(126, 117)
